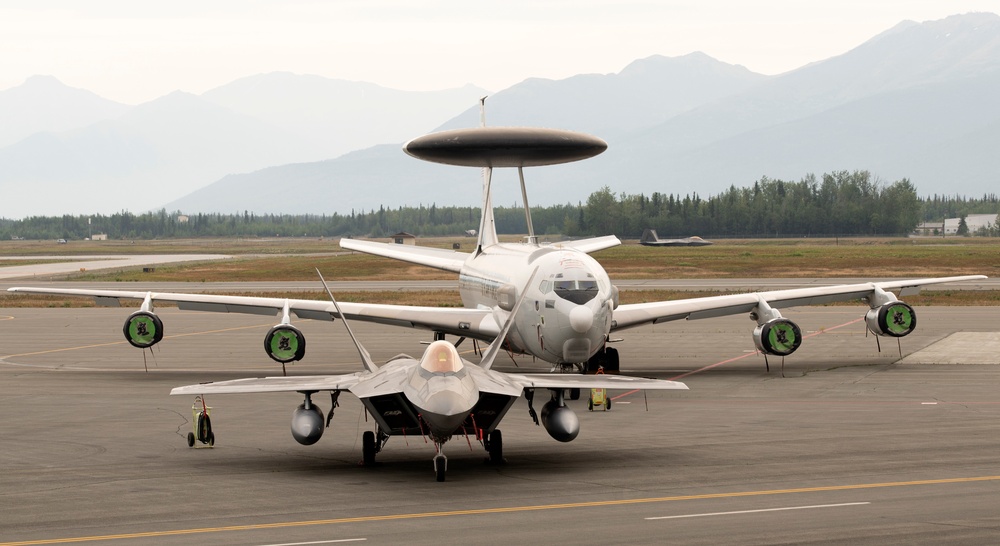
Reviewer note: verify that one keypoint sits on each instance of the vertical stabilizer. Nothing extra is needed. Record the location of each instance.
(487, 225)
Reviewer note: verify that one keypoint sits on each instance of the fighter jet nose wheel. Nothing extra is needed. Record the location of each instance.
(440, 467)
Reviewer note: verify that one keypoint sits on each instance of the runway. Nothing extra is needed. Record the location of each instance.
(850, 446)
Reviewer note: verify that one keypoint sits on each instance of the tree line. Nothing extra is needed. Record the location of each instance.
(835, 204)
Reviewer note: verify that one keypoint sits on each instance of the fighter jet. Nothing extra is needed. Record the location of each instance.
(438, 395)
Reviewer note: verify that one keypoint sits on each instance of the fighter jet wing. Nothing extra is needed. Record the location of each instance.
(600, 381)
(302, 383)
(473, 323)
(627, 316)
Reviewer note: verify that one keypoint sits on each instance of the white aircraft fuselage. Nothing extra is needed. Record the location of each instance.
(566, 315)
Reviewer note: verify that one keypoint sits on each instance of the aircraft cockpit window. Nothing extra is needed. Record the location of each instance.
(441, 357)
(578, 292)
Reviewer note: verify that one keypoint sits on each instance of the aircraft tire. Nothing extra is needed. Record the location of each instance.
(496, 447)
(368, 448)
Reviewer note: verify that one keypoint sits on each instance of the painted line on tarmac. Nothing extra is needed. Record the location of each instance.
(338, 541)
(783, 509)
(97, 345)
(501, 510)
(741, 357)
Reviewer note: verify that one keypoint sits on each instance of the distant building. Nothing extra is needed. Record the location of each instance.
(99, 237)
(182, 219)
(404, 238)
(950, 225)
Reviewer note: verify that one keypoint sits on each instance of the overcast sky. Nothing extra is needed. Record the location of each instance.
(134, 51)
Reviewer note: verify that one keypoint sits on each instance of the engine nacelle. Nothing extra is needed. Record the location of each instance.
(307, 424)
(560, 422)
(285, 343)
(779, 336)
(894, 319)
(143, 329)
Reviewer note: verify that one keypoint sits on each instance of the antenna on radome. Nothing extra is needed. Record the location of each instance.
(482, 111)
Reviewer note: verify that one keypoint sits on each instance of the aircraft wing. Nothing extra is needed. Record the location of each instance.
(273, 384)
(440, 258)
(473, 323)
(590, 245)
(600, 381)
(627, 316)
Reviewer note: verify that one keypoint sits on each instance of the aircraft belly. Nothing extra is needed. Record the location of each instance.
(393, 413)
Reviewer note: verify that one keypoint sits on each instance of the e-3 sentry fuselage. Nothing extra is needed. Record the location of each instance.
(566, 314)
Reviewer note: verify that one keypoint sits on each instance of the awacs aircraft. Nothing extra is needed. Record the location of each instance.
(439, 395)
(569, 311)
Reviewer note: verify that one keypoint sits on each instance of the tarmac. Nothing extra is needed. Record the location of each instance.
(842, 444)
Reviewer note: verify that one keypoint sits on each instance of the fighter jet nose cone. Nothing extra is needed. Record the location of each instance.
(581, 319)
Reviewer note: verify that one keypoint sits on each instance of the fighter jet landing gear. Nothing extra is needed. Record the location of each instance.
(493, 443)
(371, 445)
(440, 463)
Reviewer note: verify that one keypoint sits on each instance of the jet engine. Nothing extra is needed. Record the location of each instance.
(285, 343)
(778, 336)
(894, 319)
(559, 421)
(307, 423)
(143, 329)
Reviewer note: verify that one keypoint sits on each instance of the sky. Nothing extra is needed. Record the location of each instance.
(135, 51)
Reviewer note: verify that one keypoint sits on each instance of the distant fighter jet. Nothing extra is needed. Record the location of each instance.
(649, 238)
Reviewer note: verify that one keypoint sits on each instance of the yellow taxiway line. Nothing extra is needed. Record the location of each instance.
(500, 510)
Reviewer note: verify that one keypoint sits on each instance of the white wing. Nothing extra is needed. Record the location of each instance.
(601, 381)
(474, 323)
(626, 316)
(440, 258)
(273, 384)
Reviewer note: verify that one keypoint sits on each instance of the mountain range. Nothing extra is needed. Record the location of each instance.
(916, 101)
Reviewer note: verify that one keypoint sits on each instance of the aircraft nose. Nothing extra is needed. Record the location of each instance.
(581, 318)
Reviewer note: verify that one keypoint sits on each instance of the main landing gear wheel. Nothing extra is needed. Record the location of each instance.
(574, 394)
(368, 448)
(494, 446)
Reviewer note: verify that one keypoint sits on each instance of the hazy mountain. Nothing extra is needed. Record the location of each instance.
(75, 152)
(645, 93)
(330, 117)
(158, 151)
(43, 103)
(871, 108)
(916, 101)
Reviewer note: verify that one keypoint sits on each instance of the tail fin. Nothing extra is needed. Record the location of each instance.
(491, 354)
(487, 225)
(649, 236)
(366, 358)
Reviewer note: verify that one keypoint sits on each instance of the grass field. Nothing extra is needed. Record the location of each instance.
(296, 259)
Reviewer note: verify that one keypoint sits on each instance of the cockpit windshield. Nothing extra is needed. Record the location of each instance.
(441, 357)
(576, 291)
